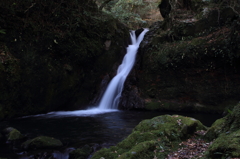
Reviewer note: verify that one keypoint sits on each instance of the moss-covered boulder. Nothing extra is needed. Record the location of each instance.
(216, 129)
(12, 134)
(229, 123)
(225, 134)
(42, 142)
(226, 145)
(153, 138)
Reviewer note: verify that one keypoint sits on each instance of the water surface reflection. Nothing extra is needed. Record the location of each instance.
(78, 130)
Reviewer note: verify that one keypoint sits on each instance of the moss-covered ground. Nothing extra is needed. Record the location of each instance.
(151, 138)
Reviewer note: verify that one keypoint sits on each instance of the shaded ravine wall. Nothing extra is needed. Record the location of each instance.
(188, 62)
(53, 55)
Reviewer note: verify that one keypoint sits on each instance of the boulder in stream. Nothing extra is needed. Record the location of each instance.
(42, 142)
(12, 134)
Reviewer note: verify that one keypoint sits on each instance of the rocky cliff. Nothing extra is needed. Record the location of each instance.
(190, 61)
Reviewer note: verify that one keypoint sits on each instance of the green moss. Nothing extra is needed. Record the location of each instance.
(14, 135)
(81, 153)
(226, 133)
(42, 142)
(142, 150)
(226, 145)
(110, 153)
(161, 122)
(150, 137)
(152, 105)
(137, 137)
(229, 105)
(216, 129)
(233, 121)
(191, 125)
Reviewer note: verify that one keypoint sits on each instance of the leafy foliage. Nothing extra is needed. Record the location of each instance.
(130, 12)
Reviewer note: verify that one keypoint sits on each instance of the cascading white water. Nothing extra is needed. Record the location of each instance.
(111, 97)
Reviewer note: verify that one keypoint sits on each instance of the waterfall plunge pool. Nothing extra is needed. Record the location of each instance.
(76, 130)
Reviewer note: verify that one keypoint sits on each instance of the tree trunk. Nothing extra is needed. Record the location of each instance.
(104, 4)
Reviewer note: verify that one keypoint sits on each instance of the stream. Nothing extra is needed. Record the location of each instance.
(76, 131)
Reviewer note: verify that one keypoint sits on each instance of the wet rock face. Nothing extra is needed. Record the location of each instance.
(191, 63)
(138, 32)
(131, 99)
(103, 86)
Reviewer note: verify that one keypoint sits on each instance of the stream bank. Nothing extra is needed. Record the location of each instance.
(88, 132)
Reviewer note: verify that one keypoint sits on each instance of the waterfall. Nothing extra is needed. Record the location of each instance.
(111, 96)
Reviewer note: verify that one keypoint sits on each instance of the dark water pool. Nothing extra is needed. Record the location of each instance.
(75, 131)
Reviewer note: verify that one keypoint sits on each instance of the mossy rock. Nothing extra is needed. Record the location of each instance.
(153, 105)
(154, 135)
(225, 146)
(226, 132)
(142, 150)
(42, 142)
(233, 119)
(229, 123)
(81, 153)
(169, 124)
(12, 134)
(215, 129)
(15, 135)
